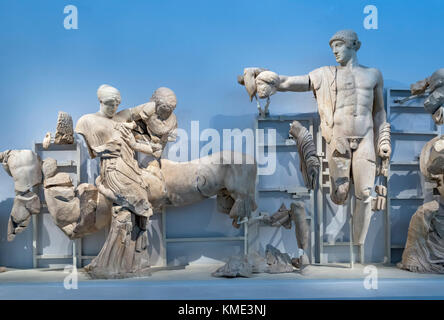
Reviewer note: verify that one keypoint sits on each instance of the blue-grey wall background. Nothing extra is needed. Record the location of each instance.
(197, 48)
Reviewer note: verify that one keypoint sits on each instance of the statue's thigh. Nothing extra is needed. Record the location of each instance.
(364, 170)
(338, 164)
(339, 171)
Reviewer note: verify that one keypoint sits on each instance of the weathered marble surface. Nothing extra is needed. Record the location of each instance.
(136, 192)
(353, 121)
(434, 103)
(64, 131)
(286, 217)
(76, 211)
(274, 261)
(309, 161)
(24, 166)
(424, 248)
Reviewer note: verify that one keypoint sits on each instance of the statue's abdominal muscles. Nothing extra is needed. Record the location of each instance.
(353, 113)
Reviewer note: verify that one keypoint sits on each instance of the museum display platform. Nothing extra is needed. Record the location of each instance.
(194, 282)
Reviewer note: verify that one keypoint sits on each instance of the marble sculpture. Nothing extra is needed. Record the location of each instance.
(353, 121)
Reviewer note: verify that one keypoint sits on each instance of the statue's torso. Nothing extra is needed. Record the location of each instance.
(98, 131)
(24, 166)
(353, 114)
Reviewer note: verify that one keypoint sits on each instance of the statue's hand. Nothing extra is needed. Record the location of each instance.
(127, 136)
(385, 150)
(157, 149)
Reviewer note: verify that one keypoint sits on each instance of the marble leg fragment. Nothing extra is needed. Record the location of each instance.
(24, 206)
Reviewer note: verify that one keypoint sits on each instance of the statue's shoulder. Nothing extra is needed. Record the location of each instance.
(87, 117)
(318, 74)
(85, 122)
(150, 109)
(374, 71)
(319, 71)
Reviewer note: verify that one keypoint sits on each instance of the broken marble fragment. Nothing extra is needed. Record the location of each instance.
(284, 217)
(49, 168)
(64, 131)
(277, 261)
(24, 166)
(309, 161)
(244, 266)
(424, 248)
(24, 206)
(237, 266)
(60, 179)
(47, 140)
(76, 211)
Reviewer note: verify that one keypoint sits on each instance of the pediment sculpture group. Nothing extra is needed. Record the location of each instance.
(125, 195)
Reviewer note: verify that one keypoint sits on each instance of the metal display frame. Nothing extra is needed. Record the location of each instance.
(76, 256)
(297, 192)
(167, 240)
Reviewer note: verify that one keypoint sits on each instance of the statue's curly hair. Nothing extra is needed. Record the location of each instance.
(349, 37)
(164, 95)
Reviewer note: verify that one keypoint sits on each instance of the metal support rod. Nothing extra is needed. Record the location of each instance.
(350, 220)
(164, 241)
(246, 238)
(74, 254)
(361, 253)
(320, 201)
(34, 241)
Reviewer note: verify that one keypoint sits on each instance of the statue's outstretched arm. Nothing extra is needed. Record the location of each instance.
(251, 80)
(294, 83)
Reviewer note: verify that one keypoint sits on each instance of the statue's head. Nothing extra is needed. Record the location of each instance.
(165, 101)
(109, 98)
(345, 44)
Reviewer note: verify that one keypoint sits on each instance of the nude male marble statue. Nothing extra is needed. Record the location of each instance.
(353, 122)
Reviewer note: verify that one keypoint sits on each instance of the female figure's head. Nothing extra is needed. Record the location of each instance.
(109, 98)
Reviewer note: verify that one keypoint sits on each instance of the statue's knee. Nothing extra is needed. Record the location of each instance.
(340, 188)
(364, 194)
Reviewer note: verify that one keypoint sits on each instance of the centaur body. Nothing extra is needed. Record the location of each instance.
(138, 192)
